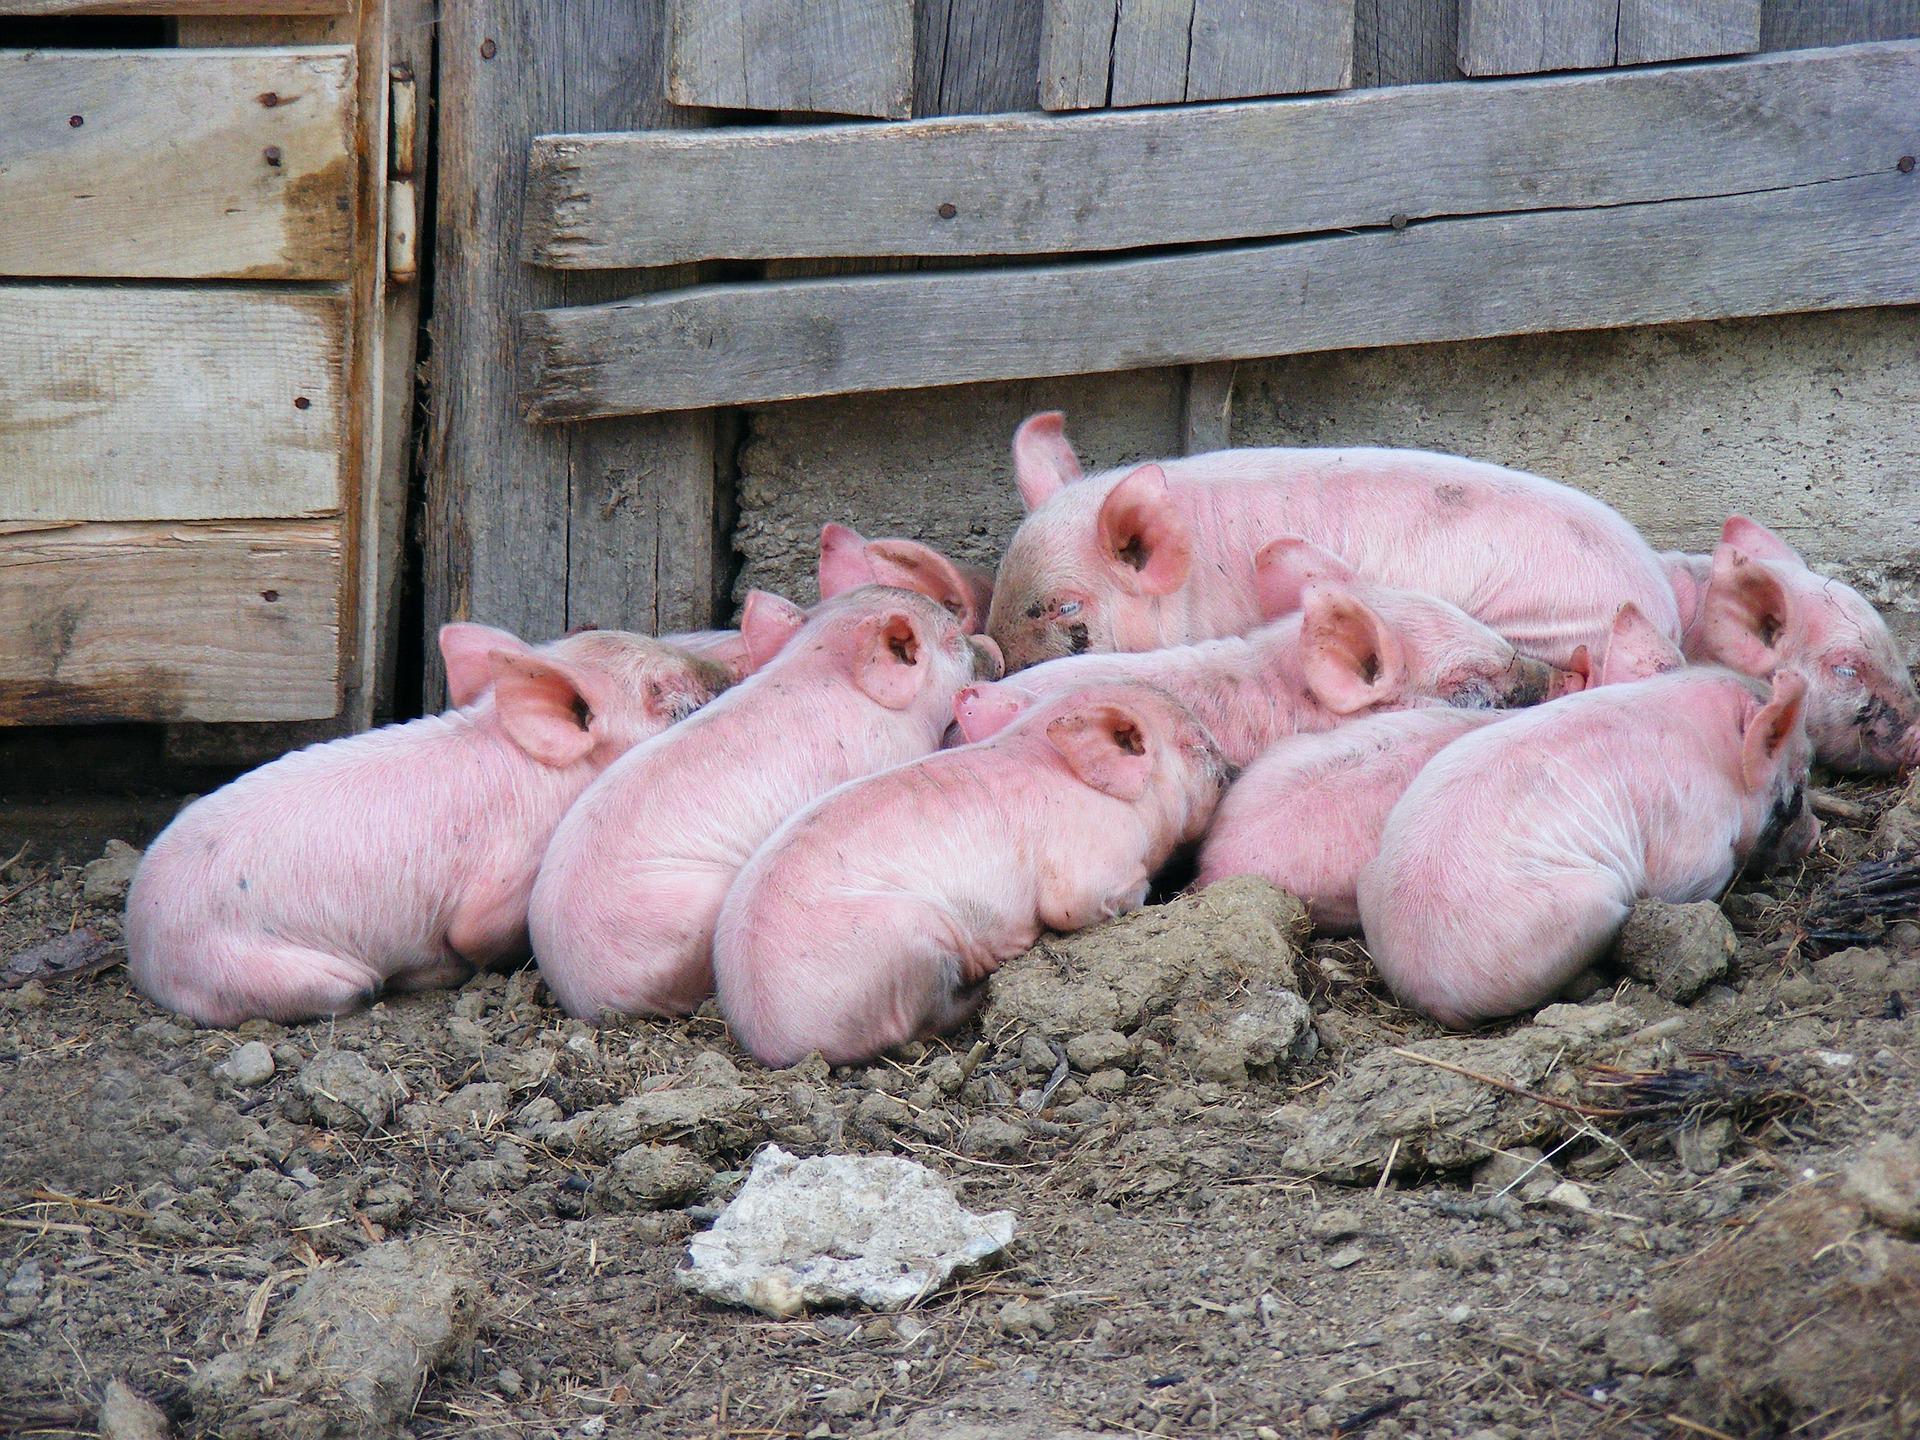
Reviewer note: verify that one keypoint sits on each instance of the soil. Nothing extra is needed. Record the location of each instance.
(1253, 1198)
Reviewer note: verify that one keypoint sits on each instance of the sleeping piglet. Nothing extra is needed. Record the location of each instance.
(402, 857)
(1162, 554)
(1342, 647)
(1308, 814)
(1754, 606)
(623, 911)
(1513, 858)
(877, 914)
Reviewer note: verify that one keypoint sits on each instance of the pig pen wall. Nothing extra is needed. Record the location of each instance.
(1806, 422)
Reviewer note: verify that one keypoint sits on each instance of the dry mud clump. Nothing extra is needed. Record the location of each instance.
(1252, 1196)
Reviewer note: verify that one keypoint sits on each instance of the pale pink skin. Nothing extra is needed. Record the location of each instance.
(401, 858)
(1754, 606)
(1347, 648)
(877, 914)
(1163, 554)
(623, 910)
(1308, 814)
(848, 560)
(1514, 856)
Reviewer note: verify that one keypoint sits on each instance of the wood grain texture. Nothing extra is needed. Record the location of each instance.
(1206, 419)
(174, 7)
(1405, 42)
(1519, 37)
(1793, 24)
(1077, 40)
(1157, 52)
(975, 57)
(1679, 29)
(1025, 185)
(1846, 242)
(1239, 48)
(526, 528)
(214, 621)
(174, 404)
(833, 57)
(177, 164)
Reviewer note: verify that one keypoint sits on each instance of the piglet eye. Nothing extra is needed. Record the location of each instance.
(1845, 672)
(1069, 609)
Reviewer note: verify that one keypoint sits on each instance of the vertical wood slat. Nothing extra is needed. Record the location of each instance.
(975, 57)
(530, 528)
(1405, 42)
(834, 57)
(1519, 37)
(1803, 24)
(1154, 52)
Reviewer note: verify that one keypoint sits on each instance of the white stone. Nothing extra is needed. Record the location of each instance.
(839, 1229)
(249, 1065)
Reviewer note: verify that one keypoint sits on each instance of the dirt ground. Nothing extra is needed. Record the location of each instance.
(1238, 1214)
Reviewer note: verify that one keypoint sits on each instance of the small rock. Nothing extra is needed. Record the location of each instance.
(126, 1414)
(1262, 1031)
(836, 1229)
(1097, 1050)
(249, 1065)
(106, 881)
(1345, 1257)
(1797, 992)
(509, 1381)
(656, 1176)
(346, 1092)
(1569, 1196)
(1331, 1225)
(1703, 1145)
(1024, 1317)
(1678, 949)
(1886, 1180)
(481, 1105)
(993, 1136)
(1107, 1082)
(1635, 1344)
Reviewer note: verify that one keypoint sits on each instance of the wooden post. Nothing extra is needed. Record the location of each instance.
(1206, 423)
(533, 528)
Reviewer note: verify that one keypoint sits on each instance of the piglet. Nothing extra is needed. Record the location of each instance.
(1308, 814)
(1754, 606)
(623, 911)
(1514, 856)
(847, 560)
(1162, 554)
(877, 914)
(1343, 647)
(400, 858)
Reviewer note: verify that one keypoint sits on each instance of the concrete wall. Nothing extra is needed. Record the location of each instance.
(1810, 423)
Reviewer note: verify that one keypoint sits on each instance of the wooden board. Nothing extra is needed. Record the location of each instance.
(530, 529)
(1024, 185)
(121, 403)
(1405, 42)
(1155, 52)
(1679, 29)
(213, 621)
(174, 7)
(177, 164)
(834, 57)
(1791, 24)
(1841, 243)
(975, 57)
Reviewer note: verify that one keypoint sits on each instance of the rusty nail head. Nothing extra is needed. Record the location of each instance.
(269, 595)
(269, 99)
(1905, 166)
(948, 210)
(74, 122)
(1398, 221)
(301, 402)
(488, 49)
(272, 152)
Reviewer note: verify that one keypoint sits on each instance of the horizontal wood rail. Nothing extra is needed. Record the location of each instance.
(1042, 185)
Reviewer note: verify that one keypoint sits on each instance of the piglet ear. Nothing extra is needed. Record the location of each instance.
(467, 650)
(1747, 612)
(1106, 746)
(1635, 649)
(963, 590)
(1350, 656)
(890, 659)
(1753, 540)
(546, 707)
(844, 564)
(1772, 728)
(982, 711)
(1144, 535)
(1043, 460)
(1285, 567)
(767, 623)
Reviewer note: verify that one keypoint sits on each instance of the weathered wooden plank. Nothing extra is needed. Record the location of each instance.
(1518, 37)
(1023, 185)
(1405, 42)
(975, 57)
(528, 528)
(1794, 24)
(1677, 29)
(1238, 48)
(169, 403)
(174, 7)
(1842, 243)
(212, 621)
(835, 57)
(1206, 419)
(1150, 43)
(177, 164)
(1076, 53)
